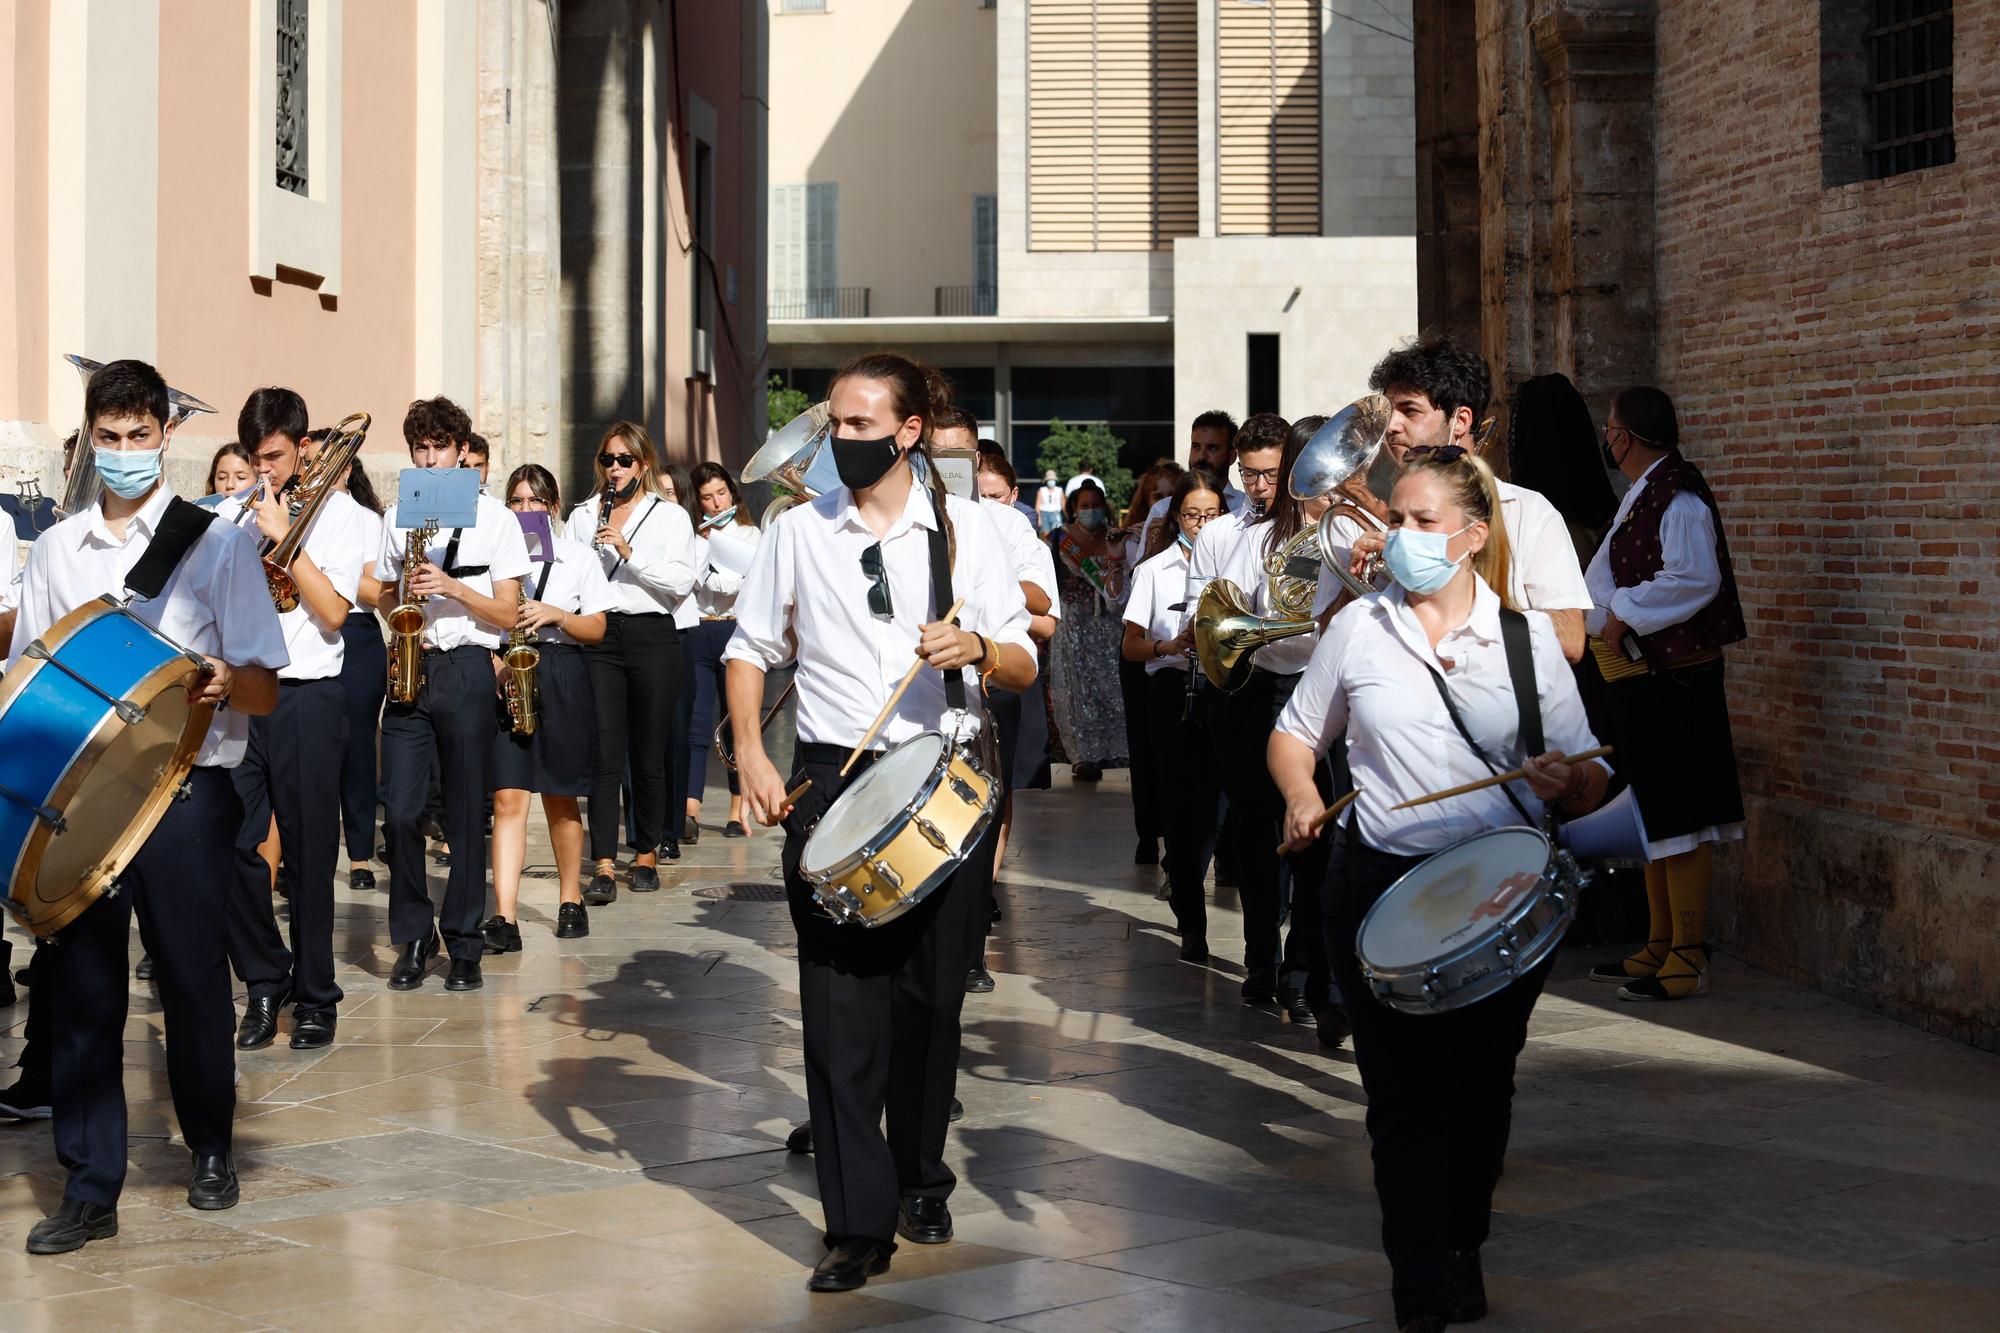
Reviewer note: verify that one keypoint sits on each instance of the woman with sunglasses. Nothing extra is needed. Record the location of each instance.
(730, 534)
(566, 598)
(646, 548)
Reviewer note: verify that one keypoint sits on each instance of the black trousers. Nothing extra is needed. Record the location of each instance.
(1148, 814)
(455, 718)
(1440, 1094)
(1185, 752)
(177, 884)
(708, 699)
(285, 773)
(679, 760)
(635, 681)
(364, 681)
(1264, 878)
(880, 1008)
(35, 1056)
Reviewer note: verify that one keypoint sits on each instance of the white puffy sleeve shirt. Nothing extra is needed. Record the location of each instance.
(807, 597)
(664, 556)
(1689, 575)
(1371, 677)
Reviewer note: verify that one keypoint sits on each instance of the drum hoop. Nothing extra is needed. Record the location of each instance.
(886, 834)
(170, 673)
(1474, 946)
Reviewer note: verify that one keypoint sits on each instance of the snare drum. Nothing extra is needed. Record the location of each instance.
(1468, 921)
(96, 736)
(899, 831)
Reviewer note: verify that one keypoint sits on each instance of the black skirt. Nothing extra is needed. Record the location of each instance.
(1670, 730)
(560, 758)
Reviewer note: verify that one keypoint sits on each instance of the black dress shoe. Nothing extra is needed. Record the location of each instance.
(957, 1111)
(734, 829)
(1086, 773)
(646, 879)
(143, 970)
(849, 1265)
(1295, 1007)
(1148, 853)
(924, 1221)
(1334, 1027)
(214, 1185)
(260, 1020)
(996, 912)
(312, 1028)
(572, 921)
(408, 974)
(1423, 1323)
(464, 975)
(28, 1099)
(670, 848)
(602, 890)
(71, 1227)
(1259, 988)
(501, 935)
(1194, 950)
(361, 880)
(1468, 1287)
(978, 981)
(800, 1140)
(690, 831)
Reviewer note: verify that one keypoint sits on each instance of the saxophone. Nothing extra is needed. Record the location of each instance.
(521, 658)
(406, 622)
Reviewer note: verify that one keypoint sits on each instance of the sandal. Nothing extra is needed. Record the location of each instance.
(1617, 972)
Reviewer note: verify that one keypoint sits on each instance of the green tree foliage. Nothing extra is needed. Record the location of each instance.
(785, 403)
(1069, 450)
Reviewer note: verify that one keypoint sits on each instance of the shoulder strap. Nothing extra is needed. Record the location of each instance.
(954, 681)
(451, 565)
(619, 562)
(542, 583)
(1521, 670)
(1437, 679)
(180, 528)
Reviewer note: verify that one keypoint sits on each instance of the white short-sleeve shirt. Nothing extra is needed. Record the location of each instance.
(1032, 560)
(494, 542)
(574, 582)
(337, 542)
(1157, 588)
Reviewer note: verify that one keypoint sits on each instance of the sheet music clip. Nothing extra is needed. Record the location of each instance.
(444, 497)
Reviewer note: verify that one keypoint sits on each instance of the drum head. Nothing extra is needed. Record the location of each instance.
(874, 800)
(1442, 904)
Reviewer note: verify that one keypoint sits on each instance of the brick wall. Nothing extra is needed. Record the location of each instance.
(1836, 357)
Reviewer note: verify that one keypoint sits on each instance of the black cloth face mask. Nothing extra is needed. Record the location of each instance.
(862, 463)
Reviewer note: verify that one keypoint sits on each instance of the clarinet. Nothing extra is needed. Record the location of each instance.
(604, 503)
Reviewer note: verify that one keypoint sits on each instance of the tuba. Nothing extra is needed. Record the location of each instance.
(406, 622)
(310, 490)
(521, 658)
(1227, 632)
(796, 461)
(1349, 445)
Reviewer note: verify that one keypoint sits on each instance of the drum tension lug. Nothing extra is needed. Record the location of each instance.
(963, 790)
(932, 833)
(184, 792)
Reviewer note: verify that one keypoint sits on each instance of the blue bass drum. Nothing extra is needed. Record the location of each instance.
(96, 736)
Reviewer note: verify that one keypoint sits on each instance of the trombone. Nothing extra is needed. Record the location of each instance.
(726, 747)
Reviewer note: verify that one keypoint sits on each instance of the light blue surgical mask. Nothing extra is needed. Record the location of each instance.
(1187, 542)
(1093, 518)
(1417, 560)
(128, 473)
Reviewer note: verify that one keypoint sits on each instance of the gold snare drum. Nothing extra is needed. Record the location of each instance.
(899, 831)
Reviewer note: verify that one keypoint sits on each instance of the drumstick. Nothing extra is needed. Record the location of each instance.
(1320, 820)
(792, 796)
(1499, 778)
(890, 707)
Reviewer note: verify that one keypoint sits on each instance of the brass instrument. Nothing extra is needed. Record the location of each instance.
(725, 746)
(1350, 444)
(521, 658)
(406, 622)
(309, 491)
(1227, 632)
(794, 459)
(1291, 575)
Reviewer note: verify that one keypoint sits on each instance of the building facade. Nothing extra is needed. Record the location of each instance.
(379, 200)
(1114, 212)
(1784, 216)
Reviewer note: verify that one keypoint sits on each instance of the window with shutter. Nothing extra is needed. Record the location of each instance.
(1267, 111)
(985, 253)
(822, 249)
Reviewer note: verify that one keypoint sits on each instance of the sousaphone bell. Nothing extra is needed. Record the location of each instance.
(797, 462)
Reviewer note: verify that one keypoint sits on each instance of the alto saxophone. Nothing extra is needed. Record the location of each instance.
(521, 659)
(406, 622)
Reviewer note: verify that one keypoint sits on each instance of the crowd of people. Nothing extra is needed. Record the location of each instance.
(1509, 627)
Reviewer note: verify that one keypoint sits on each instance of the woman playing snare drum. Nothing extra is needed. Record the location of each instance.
(1440, 1085)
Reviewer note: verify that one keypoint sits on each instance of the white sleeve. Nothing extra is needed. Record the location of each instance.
(999, 611)
(1546, 574)
(509, 547)
(10, 574)
(34, 612)
(389, 561)
(763, 635)
(1317, 710)
(668, 571)
(1688, 579)
(1139, 606)
(1344, 531)
(246, 624)
(582, 524)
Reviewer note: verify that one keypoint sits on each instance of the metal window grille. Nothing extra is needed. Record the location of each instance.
(1909, 88)
(292, 129)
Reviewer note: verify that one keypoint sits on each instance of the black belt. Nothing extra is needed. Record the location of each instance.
(547, 646)
(284, 681)
(430, 651)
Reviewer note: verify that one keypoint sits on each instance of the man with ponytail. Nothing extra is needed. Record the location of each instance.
(848, 584)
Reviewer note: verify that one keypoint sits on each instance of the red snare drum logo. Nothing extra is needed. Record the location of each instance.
(1511, 888)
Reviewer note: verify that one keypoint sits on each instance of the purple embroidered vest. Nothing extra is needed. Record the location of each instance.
(1636, 556)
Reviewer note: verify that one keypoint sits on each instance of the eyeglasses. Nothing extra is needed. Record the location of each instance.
(616, 460)
(1252, 474)
(1436, 453)
(878, 592)
(522, 502)
(1195, 519)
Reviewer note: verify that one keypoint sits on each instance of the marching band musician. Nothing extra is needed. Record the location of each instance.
(285, 772)
(566, 601)
(730, 533)
(470, 580)
(846, 583)
(1662, 583)
(647, 548)
(214, 601)
(1417, 677)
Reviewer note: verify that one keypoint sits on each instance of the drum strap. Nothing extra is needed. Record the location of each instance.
(1527, 698)
(954, 681)
(180, 528)
(451, 565)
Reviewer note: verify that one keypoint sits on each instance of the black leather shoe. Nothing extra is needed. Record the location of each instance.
(143, 970)
(978, 981)
(957, 1111)
(690, 831)
(800, 1140)
(1468, 1287)
(312, 1028)
(214, 1186)
(1296, 1009)
(849, 1265)
(572, 921)
(71, 1227)
(1334, 1027)
(464, 975)
(602, 890)
(1194, 950)
(924, 1221)
(1424, 1323)
(260, 1020)
(646, 879)
(28, 1099)
(411, 963)
(501, 935)
(734, 829)
(361, 880)
(1148, 853)
(670, 848)
(1259, 988)
(996, 912)
(1087, 772)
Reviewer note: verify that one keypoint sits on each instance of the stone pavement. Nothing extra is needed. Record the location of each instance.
(594, 1140)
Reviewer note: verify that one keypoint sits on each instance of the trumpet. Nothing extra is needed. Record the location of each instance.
(726, 748)
(310, 489)
(523, 694)
(406, 622)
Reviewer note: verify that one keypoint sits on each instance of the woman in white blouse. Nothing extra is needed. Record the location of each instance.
(647, 550)
(1440, 1087)
(731, 534)
(566, 600)
(1182, 750)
